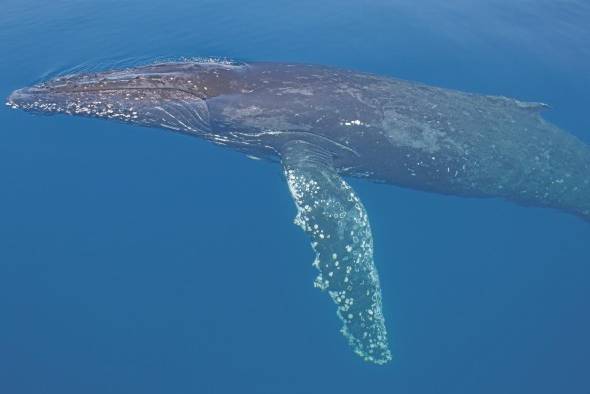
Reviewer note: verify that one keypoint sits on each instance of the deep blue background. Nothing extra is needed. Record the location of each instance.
(138, 261)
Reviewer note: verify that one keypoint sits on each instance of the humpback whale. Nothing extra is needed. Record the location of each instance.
(325, 124)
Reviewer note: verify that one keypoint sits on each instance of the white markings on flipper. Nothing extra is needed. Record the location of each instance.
(331, 213)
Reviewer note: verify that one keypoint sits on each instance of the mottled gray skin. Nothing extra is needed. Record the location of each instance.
(379, 128)
(412, 135)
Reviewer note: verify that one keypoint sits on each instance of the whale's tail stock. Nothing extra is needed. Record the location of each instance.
(575, 200)
(557, 173)
(580, 206)
(570, 183)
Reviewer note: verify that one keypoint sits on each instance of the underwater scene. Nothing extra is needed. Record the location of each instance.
(217, 196)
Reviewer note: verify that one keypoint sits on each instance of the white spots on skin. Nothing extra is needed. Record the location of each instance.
(355, 122)
(78, 107)
(303, 91)
(179, 113)
(336, 220)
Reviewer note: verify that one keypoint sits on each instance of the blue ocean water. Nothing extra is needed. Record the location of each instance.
(136, 260)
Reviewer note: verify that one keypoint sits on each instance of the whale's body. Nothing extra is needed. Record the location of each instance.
(322, 123)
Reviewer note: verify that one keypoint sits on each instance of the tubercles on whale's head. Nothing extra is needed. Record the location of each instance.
(167, 95)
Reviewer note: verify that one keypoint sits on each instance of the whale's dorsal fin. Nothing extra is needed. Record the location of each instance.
(331, 213)
(532, 106)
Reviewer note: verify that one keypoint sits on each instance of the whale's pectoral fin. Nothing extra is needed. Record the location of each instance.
(330, 211)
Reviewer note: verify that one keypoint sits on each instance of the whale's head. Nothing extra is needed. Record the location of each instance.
(165, 95)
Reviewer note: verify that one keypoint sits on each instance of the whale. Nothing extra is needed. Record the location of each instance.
(324, 125)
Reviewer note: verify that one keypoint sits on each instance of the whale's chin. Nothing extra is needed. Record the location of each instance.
(33, 100)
